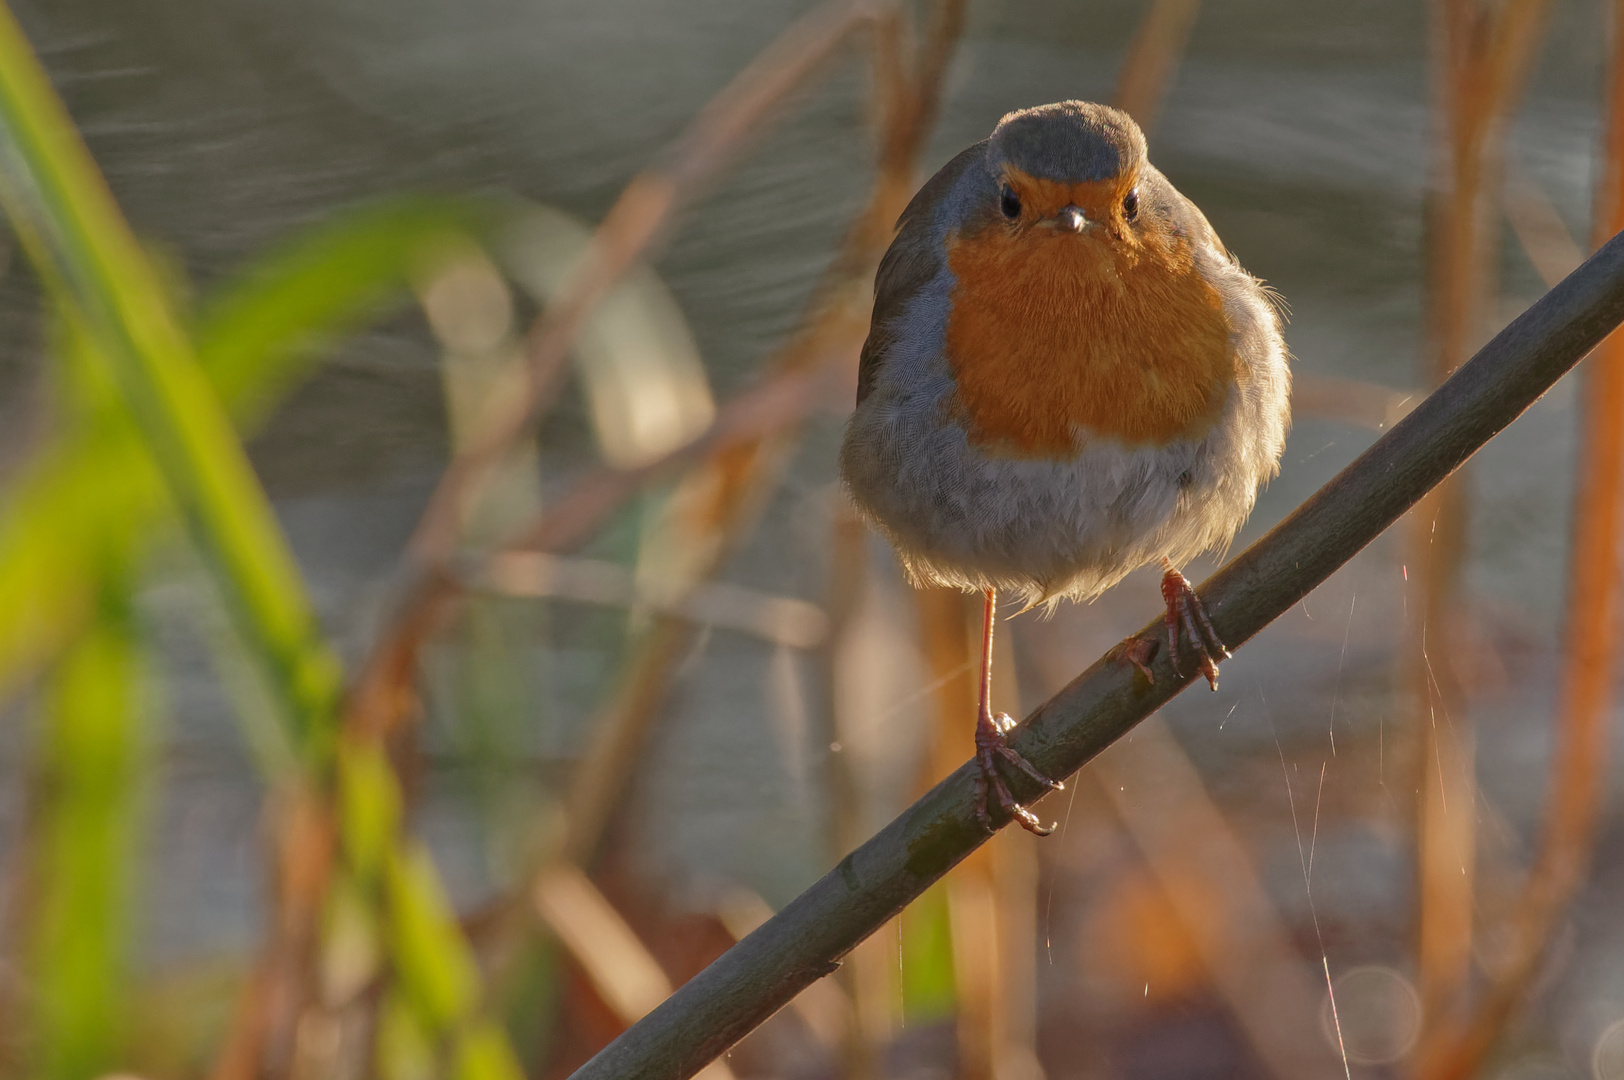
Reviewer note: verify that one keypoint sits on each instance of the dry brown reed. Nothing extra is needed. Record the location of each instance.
(1482, 55)
(1458, 1050)
(1154, 56)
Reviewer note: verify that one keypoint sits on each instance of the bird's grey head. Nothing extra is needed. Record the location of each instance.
(1068, 142)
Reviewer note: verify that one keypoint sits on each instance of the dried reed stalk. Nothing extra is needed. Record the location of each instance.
(1484, 56)
(733, 450)
(848, 581)
(1208, 877)
(1153, 57)
(1539, 228)
(1592, 635)
(949, 633)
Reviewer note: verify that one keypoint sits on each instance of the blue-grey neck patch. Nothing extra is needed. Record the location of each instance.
(1069, 142)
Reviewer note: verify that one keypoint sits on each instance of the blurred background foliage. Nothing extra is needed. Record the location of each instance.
(355, 725)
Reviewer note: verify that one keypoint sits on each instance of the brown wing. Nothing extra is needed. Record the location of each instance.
(912, 260)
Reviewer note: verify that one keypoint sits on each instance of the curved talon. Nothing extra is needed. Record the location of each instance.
(1185, 611)
(990, 746)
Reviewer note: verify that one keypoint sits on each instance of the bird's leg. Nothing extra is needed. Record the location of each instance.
(991, 743)
(1184, 610)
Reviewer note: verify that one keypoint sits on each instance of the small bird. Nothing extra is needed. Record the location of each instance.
(1067, 377)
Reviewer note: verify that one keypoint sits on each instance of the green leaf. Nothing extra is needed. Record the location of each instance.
(65, 512)
(432, 961)
(113, 297)
(484, 1054)
(256, 337)
(369, 808)
(91, 262)
(928, 987)
(404, 1050)
(96, 488)
(93, 758)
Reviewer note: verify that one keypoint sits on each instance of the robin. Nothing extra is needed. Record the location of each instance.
(1067, 377)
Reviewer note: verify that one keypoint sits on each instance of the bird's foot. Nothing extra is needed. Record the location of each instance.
(991, 744)
(1185, 611)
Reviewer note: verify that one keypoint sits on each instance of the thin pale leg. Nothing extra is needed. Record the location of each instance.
(1185, 612)
(991, 743)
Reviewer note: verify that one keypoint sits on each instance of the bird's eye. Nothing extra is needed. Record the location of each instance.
(1010, 203)
(1130, 204)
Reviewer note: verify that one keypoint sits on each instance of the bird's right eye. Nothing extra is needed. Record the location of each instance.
(1010, 203)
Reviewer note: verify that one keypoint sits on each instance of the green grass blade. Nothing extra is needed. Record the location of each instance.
(68, 509)
(256, 335)
(67, 219)
(83, 867)
(926, 959)
(96, 487)
(90, 260)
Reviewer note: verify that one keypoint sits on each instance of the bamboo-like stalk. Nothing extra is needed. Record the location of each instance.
(848, 577)
(1483, 57)
(1245, 945)
(1157, 48)
(723, 495)
(992, 895)
(1012, 882)
(1211, 883)
(1591, 642)
(806, 939)
(949, 638)
(1539, 228)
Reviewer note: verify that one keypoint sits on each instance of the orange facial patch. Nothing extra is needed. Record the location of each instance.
(1100, 199)
(1056, 334)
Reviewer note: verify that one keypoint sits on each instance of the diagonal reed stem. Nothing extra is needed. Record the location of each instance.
(806, 940)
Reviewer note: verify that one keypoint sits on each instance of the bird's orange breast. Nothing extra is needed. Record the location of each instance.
(1051, 335)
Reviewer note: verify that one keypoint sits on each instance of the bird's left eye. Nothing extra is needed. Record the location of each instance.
(1010, 203)
(1130, 204)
